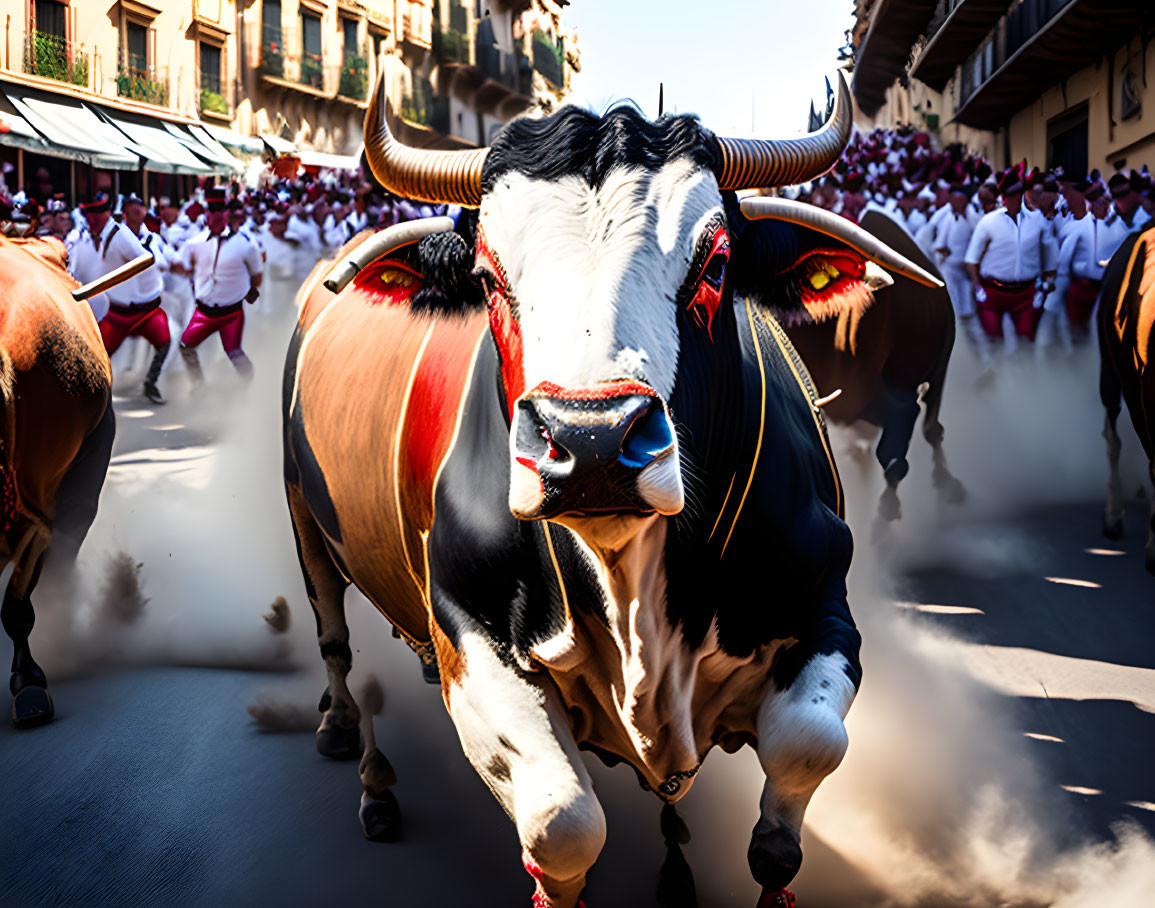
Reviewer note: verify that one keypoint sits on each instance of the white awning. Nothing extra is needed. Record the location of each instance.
(247, 144)
(196, 140)
(278, 145)
(162, 151)
(71, 126)
(329, 161)
(17, 132)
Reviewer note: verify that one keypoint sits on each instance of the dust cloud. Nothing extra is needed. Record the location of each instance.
(938, 802)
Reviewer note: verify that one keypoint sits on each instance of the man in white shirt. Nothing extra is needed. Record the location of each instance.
(1080, 276)
(281, 254)
(227, 269)
(952, 237)
(1011, 261)
(143, 316)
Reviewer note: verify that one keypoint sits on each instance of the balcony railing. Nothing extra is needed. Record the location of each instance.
(214, 97)
(141, 82)
(1014, 31)
(52, 57)
(450, 45)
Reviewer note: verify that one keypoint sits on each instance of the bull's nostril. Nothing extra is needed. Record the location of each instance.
(648, 437)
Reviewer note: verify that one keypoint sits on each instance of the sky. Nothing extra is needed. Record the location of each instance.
(746, 67)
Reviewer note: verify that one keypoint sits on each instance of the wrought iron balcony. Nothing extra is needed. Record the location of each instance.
(51, 57)
(137, 80)
(955, 29)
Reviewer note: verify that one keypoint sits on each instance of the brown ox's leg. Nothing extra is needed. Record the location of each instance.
(31, 704)
(1113, 514)
(514, 731)
(801, 740)
(339, 735)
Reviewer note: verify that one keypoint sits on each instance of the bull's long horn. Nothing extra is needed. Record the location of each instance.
(119, 276)
(839, 228)
(760, 163)
(382, 244)
(418, 173)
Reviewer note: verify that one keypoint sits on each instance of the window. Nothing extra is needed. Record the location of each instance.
(349, 27)
(50, 18)
(136, 48)
(212, 99)
(311, 50)
(272, 41)
(210, 67)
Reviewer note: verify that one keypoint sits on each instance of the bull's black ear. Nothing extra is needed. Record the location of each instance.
(760, 252)
(448, 286)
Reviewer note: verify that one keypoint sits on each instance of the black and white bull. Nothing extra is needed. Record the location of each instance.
(593, 492)
(1126, 347)
(874, 353)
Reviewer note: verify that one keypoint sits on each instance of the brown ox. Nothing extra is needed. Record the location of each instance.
(1127, 346)
(878, 356)
(56, 432)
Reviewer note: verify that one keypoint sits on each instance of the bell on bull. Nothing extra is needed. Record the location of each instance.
(583, 476)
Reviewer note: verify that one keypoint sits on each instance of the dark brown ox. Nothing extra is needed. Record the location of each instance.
(56, 432)
(877, 357)
(1127, 346)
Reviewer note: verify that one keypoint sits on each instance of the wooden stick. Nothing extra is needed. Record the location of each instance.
(118, 276)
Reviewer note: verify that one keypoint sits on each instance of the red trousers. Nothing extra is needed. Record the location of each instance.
(1002, 299)
(205, 323)
(1081, 300)
(127, 321)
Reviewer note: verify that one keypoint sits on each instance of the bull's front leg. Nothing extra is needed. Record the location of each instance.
(514, 731)
(801, 740)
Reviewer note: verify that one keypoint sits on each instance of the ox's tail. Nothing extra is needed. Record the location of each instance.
(8, 492)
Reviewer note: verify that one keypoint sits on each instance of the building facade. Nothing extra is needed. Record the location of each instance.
(150, 94)
(1057, 82)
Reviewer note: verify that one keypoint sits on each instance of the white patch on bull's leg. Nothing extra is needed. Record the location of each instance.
(597, 302)
(514, 731)
(1113, 515)
(801, 740)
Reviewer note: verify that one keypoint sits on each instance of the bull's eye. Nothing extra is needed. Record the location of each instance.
(706, 292)
(715, 270)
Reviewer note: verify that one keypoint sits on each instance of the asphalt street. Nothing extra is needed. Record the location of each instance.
(154, 786)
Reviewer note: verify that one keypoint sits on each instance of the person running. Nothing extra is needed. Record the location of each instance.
(125, 310)
(227, 270)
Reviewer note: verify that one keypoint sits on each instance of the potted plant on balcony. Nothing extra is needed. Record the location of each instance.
(311, 73)
(354, 78)
(272, 59)
(213, 101)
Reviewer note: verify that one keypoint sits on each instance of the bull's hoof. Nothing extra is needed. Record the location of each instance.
(775, 856)
(32, 706)
(340, 742)
(676, 881)
(380, 817)
(1113, 528)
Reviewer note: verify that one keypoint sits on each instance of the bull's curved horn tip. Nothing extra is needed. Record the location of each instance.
(821, 402)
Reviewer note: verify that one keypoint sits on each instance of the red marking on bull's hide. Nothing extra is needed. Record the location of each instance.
(435, 398)
(506, 329)
(603, 391)
(708, 297)
(831, 282)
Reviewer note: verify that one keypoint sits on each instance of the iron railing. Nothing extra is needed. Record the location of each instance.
(137, 80)
(52, 57)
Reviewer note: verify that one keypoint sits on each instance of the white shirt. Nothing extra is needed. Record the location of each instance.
(306, 234)
(1012, 249)
(223, 266)
(280, 257)
(953, 233)
(926, 233)
(149, 284)
(93, 258)
(1088, 242)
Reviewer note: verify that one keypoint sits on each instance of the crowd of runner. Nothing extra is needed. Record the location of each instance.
(1022, 251)
(224, 249)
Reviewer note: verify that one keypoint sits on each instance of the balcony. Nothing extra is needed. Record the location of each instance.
(215, 100)
(272, 60)
(1036, 45)
(138, 81)
(353, 78)
(285, 64)
(895, 25)
(417, 26)
(51, 57)
(957, 28)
